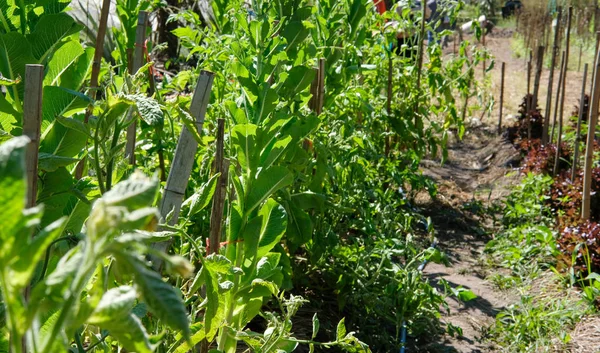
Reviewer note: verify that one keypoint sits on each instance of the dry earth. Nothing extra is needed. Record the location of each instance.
(481, 169)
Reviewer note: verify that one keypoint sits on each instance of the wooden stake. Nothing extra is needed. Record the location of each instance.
(579, 119)
(501, 98)
(183, 161)
(558, 94)
(138, 61)
(95, 72)
(589, 150)
(527, 97)
(32, 121)
(536, 85)
(555, 48)
(595, 58)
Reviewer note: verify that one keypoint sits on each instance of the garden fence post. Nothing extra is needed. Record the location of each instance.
(183, 160)
(595, 57)
(554, 54)
(501, 97)
(527, 96)
(138, 61)
(32, 120)
(536, 86)
(589, 150)
(579, 119)
(558, 95)
(97, 61)
(562, 98)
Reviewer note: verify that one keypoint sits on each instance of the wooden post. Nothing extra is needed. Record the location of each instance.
(420, 50)
(216, 215)
(595, 58)
(558, 95)
(32, 120)
(589, 150)
(527, 97)
(564, 84)
(536, 85)
(138, 61)
(501, 98)
(554, 53)
(95, 72)
(183, 161)
(579, 119)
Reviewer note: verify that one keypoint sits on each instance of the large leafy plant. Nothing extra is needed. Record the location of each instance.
(89, 290)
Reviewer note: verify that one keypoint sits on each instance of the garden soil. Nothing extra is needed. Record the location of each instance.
(480, 171)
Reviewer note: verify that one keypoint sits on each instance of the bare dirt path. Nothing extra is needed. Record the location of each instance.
(480, 171)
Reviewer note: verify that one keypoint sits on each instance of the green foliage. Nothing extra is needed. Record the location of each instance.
(77, 290)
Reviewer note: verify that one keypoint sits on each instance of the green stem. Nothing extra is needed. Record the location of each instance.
(111, 162)
(23, 16)
(97, 159)
(75, 291)
(15, 335)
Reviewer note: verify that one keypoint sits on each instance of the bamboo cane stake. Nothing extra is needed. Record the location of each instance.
(483, 43)
(558, 95)
(421, 50)
(589, 151)
(501, 98)
(95, 72)
(32, 120)
(536, 85)
(579, 119)
(138, 61)
(183, 161)
(555, 49)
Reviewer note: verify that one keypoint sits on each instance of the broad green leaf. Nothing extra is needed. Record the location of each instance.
(244, 139)
(130, 332)
(202, 198)
(9, 117)
(268, 181)
(274, 224)
(50, 163)
(15, 53)
(272, 152)
(76, 74)
(74, 124)
(149, 109)
(61, 61)
(116, 304)
(266, 102)
(49, 33)
(163, 300)
(12, 183)
(300, 226)
(21, 269)
(61, 102)
(299, 78)
(136, 192)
